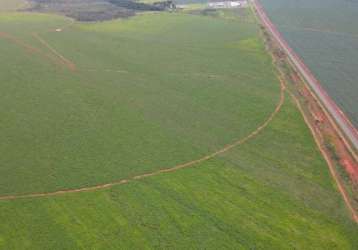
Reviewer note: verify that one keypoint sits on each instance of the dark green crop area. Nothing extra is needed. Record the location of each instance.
(325, 34)
(149, 93)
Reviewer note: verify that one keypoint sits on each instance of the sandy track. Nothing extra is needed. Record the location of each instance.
(161, 171)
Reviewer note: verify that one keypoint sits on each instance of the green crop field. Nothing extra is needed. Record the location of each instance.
(100, 102)
(325, 34)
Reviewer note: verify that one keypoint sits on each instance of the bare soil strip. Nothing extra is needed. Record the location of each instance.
(29, 48)
(70, 65)
(315, 115)
(162, 171)
(19, 42)
(337, 114)
(329, 161)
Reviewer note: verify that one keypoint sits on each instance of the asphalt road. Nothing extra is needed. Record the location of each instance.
(342, 121)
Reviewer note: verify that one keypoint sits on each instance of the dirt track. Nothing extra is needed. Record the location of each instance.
(328, 160)
(343, 122)
(161, 171)
(319, 122)
(69, 64)
(29, 48)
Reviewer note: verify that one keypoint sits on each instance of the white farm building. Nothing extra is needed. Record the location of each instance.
(228, 4)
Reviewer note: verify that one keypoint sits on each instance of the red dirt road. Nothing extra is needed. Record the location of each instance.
(331, 166)
(319, 121)
(161, 171)
(343, 122)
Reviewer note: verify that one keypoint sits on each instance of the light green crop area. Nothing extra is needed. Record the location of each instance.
(149, 93)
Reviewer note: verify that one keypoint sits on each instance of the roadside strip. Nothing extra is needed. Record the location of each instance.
(317, 135)
(349, 131)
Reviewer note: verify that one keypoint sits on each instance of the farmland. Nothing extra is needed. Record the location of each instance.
(102, 102)
(325, 35)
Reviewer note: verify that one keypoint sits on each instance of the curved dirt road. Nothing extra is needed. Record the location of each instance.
(165, 170)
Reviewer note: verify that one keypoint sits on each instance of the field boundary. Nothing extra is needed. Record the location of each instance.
(165, 170)
(263, 19)
(346, 128)
(327, 159)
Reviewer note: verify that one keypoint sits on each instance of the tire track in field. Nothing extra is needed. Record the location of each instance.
(70, 65)
(56, 57)
(165, 170)
(29, 48)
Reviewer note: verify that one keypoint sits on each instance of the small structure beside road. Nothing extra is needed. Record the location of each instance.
(228, 4)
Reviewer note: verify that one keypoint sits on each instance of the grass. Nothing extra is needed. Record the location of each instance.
(188, 86)
(184, 94)
(272, 193)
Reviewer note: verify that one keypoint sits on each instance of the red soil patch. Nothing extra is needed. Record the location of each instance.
(351, 169)
(328, 137)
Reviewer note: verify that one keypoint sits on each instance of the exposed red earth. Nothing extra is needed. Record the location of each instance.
(343, 122)
(72, 67)
(328, 159)
(165, 170)
(347, 160)
(329, 139)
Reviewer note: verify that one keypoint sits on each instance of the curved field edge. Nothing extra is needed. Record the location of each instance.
(149, 93)
(189, 164)
(272, 192)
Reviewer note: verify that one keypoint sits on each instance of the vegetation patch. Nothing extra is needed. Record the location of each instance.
(152, 92)
(95, 10)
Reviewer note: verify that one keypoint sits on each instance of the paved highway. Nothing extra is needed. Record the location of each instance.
(342, 121)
